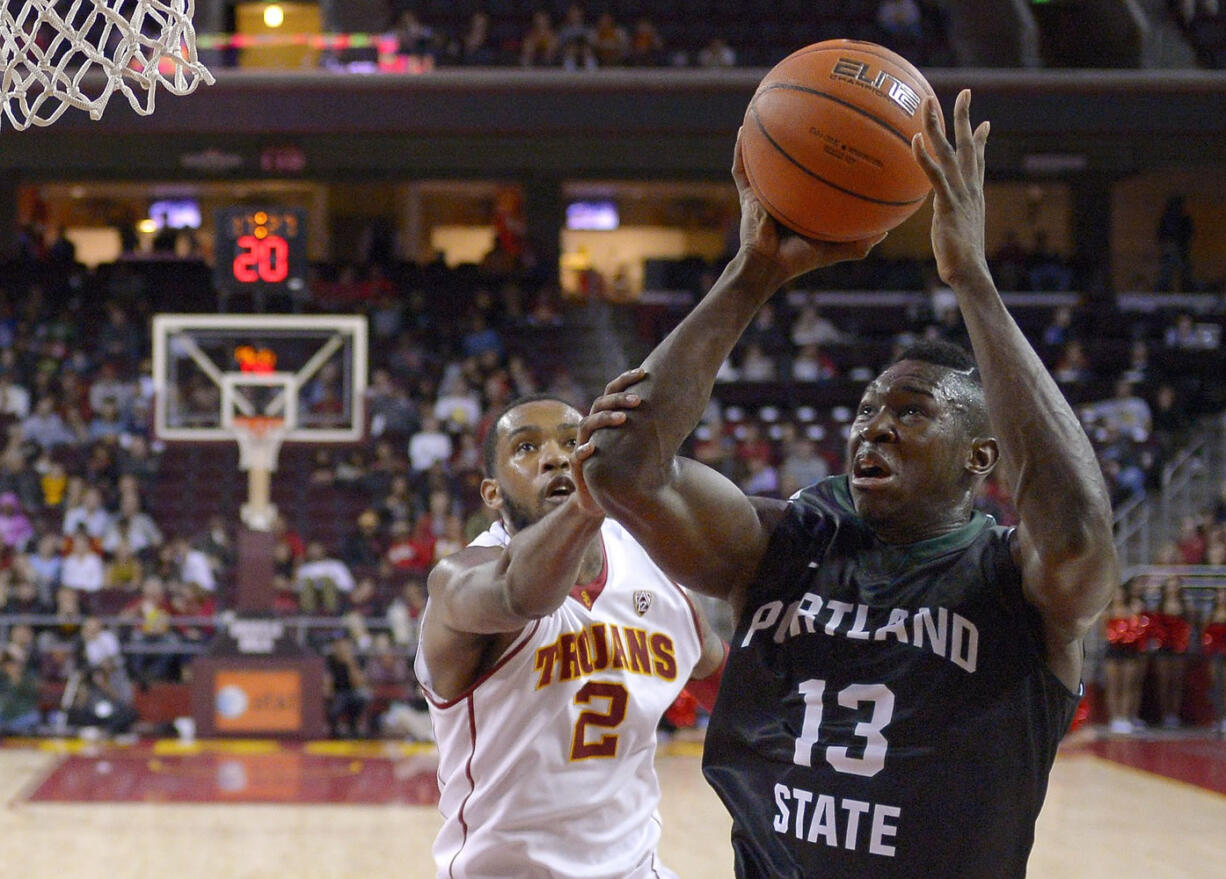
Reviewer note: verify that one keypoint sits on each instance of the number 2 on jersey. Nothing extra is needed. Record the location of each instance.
(851, 696)
(606, 745)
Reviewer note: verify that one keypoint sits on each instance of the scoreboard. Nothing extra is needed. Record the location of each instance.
(260, 250)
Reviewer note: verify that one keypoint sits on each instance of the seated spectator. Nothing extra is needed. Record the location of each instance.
(82, 570)
(480, 339)
(98, 644)
(646, 46)
(429, 444)
(345, 689)
(1191, 541)
(458, 407)
(811, 365)
(1009, 265)
(812, 328)
(765, 332)
(108, 421)
(1139, 369)
(539, 46)
(53, 483)
(410, 548)
(900, 21)
(757, 366)
(1188, 336)
(404, 614)
(14, 398)
(217, 545)
(452, 539)
(1072, 365)
(1058, 331)
(475, 47)
(118, 340)
(191, 602)
(183, 562)
(124, 570)
(1125, 412)
(89, 514)
(68, 614)
(104, 700)
(351, 468)
(321, 580)
(802, 466)
(609, 42)
(363, 547)
(22, 640)
(133, 526)
(761, 478)
(575, 41)
(323, 470)
(150, 614)
(1047, 270)
(24, 600)
(415, 38)
(19, 694)
(364, 602)
(716, 53)
(137, 460)
(392, 412)
(45, 427)
(15, 528)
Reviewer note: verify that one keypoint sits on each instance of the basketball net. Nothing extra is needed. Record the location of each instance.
(55, 58)
(259, 442)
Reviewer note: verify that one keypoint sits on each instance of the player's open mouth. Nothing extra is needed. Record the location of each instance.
(870, 470)
(559, 489)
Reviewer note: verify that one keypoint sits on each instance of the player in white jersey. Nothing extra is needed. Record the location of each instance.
(551, 647)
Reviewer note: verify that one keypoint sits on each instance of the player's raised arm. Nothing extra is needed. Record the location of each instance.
(1064, 542)
(697, 525)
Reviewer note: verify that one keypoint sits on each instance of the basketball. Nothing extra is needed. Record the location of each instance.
(826, 141)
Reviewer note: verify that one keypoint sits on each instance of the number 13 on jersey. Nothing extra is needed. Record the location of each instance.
(852, 696)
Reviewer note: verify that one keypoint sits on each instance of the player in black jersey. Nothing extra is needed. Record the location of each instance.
(902, 668)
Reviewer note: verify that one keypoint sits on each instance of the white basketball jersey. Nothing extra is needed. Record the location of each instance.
(546, 765)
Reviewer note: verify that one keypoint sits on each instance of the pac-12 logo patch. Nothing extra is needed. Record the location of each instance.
(642, 601)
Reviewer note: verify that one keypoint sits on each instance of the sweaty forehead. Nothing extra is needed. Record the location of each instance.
(913, 375)
(545, 416)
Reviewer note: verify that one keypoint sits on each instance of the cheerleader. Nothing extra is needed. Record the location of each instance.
(1170, 662)
(1122, 664)
(1213, 644)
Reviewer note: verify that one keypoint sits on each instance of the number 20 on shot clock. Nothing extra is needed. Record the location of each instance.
(261, 249)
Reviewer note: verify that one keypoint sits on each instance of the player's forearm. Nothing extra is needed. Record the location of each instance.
(543, 562)
(1055, 479)
(680, 376)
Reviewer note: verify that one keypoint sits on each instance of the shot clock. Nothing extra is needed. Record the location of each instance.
(260, 250)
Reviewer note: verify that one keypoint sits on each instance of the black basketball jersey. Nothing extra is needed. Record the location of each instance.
(886, 711)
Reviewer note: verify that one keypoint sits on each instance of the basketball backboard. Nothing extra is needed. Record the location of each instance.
(309, 371)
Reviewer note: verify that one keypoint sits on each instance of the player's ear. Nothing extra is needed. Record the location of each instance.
(983, 455)
(491, 494)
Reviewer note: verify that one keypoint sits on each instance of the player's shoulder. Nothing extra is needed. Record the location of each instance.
(446, 571)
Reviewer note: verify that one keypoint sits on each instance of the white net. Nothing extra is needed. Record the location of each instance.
(57, 54)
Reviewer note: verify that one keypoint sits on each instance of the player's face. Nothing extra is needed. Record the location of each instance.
(908, 452)
(535, 443)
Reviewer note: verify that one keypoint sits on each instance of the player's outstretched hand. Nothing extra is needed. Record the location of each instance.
(608, 411)
(957, 183)
(792, 254)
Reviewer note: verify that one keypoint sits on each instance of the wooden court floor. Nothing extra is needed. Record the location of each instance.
(1102, 820)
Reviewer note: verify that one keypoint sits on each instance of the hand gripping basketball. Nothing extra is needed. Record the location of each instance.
(791, 254)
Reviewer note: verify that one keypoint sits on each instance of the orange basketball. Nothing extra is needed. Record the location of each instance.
(827, 140)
